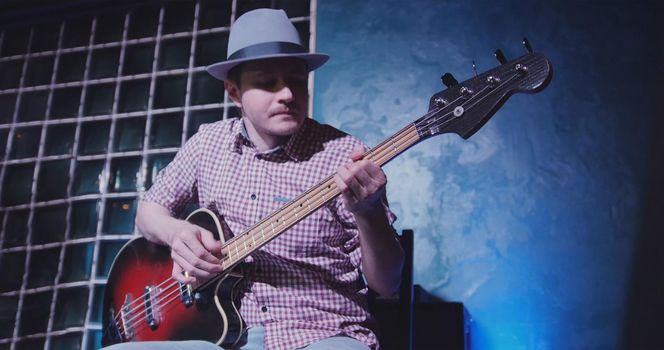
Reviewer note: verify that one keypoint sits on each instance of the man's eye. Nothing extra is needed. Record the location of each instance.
(266, 82)
(298, 80)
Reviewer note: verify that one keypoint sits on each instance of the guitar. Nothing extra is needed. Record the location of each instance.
(143, 302)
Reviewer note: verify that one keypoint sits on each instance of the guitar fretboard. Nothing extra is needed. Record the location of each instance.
(242, 245)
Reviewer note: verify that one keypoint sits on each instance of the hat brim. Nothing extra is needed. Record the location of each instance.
(220, 70)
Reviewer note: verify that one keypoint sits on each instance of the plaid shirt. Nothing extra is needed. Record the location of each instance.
(306, 284)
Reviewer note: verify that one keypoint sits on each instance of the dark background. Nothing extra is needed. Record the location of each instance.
(547, 223)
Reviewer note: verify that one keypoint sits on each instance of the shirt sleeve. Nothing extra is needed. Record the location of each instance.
(177, 184)
(346, 218)
(347, 221)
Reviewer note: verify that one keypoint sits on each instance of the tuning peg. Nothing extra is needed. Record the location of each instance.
(526, 43)
(500, 56)
(449, 80)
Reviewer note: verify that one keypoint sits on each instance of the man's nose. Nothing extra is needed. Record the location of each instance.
(285, 93)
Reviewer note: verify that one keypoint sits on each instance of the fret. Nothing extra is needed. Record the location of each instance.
(393, 147)
(224, 257)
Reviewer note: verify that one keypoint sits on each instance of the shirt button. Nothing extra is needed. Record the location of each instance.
(264, 308)
(253, 196)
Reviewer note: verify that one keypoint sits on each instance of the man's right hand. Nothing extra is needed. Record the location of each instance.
(194, 251)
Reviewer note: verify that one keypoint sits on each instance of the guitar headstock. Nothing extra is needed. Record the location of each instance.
(465, 107)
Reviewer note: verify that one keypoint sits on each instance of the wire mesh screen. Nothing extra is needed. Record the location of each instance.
(91, 108)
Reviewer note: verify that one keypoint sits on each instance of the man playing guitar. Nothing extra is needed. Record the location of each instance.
(305, 288)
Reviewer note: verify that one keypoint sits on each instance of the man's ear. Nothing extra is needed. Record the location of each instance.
(233, 92)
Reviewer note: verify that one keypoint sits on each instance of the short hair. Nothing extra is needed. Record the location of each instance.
(235, 74)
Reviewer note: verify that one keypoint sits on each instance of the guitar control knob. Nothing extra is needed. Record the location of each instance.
(198, 298)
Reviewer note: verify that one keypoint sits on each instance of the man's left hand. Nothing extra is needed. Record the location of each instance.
(362, 183)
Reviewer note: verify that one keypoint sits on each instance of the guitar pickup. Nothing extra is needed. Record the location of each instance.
(151, 307)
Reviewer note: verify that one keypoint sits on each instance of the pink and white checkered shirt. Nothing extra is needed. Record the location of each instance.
(306, 284)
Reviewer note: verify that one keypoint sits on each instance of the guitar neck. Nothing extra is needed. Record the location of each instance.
(461, 109)
(242, 245)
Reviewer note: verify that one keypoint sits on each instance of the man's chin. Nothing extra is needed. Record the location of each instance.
(287, 126)
(287, 116)
(288, 119)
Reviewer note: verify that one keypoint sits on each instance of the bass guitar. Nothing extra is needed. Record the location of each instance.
(143, 302)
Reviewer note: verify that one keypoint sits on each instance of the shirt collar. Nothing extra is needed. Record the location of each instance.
(293, 148)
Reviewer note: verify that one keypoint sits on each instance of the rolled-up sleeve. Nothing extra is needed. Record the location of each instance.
(176, 185)
(347, 221)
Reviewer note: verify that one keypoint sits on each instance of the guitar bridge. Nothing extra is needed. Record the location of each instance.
(126, 319)
(112, 333)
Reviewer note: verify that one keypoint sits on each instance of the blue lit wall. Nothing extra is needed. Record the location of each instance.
(535, 222)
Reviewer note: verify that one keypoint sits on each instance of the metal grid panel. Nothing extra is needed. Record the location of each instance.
(91, 107)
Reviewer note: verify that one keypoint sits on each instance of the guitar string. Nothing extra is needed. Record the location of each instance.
(140, 302)
(139, 326)
(128, 322)
(441, 121)
(170, 292)
(136, 307)
(242, 239)
(378, 156)
(131, 322)
(395, 139)
(398, 136)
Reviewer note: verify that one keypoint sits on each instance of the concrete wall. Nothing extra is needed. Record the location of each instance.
(534, 222)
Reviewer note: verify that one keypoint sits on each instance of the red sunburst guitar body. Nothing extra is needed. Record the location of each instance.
(143, 303)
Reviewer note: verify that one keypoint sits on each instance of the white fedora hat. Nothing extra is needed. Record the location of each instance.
(264, 33)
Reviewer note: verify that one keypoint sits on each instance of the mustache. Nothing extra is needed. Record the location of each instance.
(284, 110)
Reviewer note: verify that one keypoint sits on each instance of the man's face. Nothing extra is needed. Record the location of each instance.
(273, 96)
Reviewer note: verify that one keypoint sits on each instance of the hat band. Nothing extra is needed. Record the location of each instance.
(269, 48)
